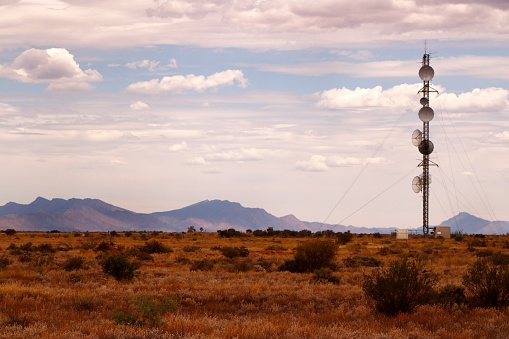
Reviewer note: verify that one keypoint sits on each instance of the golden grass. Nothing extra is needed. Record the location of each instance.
(41, 300)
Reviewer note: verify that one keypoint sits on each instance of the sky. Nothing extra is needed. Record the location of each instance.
(297, 107)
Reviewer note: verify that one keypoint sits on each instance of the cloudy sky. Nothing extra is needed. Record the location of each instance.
(298, 107)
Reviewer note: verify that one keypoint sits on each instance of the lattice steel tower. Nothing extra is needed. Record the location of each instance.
(421, 140)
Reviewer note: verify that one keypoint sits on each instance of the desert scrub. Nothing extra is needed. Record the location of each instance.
(234, 252)
(312, 255)
(154, 246)
(119, 266)
(325, 275)
(145, 310)
(74, 264)
(358, 261)
(488, 283)
(404, 285)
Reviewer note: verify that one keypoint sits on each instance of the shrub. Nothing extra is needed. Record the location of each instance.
(358, 261)
(147, 311)
(10, 231)
(74, 264)
(104, 246)
(450, 295)
(325, 275)
(154, 246)
(400, 288)
(202, 265)
(4, 262)
(120, 267)
(312, 255)
(276, 248)
(344, 238)
(45, 248)
(234, 252)
(488, 283)
(189, 248)
(182, 260)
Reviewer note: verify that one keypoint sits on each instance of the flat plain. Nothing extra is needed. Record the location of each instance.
(192, 290)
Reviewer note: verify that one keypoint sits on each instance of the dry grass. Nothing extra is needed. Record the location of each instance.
(236, 298)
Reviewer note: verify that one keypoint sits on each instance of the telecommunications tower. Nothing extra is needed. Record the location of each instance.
(421, 140)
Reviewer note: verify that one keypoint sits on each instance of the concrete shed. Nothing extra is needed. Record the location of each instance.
(442, 231)
(401, 233)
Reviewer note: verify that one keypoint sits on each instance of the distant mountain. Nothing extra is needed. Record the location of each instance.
(95, 215)
(211, 215)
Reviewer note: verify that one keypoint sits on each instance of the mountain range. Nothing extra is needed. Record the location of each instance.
(210, 215)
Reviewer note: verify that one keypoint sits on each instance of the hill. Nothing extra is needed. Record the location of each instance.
(211, 215)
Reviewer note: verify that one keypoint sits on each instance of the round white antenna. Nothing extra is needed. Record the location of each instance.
(417, 184)
(426, 114)
(424, 101)
(426, 73)
(416, 137)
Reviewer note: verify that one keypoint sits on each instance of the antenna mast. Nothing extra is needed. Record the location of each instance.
(421, 140)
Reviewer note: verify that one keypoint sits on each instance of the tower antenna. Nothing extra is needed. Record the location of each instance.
(421, 139)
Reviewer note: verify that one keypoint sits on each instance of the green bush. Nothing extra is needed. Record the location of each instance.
(488, 283)
(325, 275)
(202, 265)
(344, 238)
(10, 231)
(4, 262)
(120, 267)
(450, 295)
(189, 248)
(234, 252)
(74, 264)
(312, 255)
(154, 246)
(401, 287)
(358, 261)
(147, 311)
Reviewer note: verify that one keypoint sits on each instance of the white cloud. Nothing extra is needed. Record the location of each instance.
(151, 65)
(172, 63)
(501, 137)
(317, 163)
(357, 55)
(200, 161)
(339, 98)
(178, 147)
(191, 82)
(242, 154)
(139, 105)
(55, 66)
(7, 108)
(485, 99)
(320, 163)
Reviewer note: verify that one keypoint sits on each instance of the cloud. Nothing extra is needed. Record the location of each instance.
(358, 55)
(317, 163)
(480, 99)
(497, 138)
(340, 98)
(178, 147)
(4, 108)
(151, 65)
(55, 66)
(320, 163)
(200, 161)
(191, 82)
(242, 154)
(139, 105)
